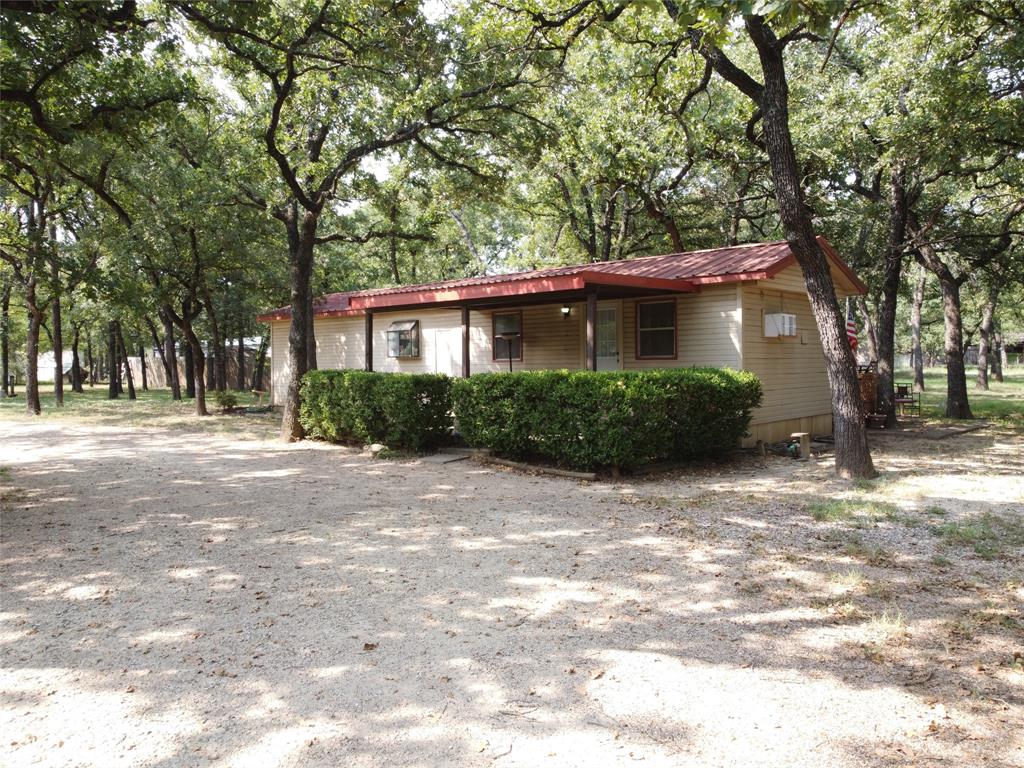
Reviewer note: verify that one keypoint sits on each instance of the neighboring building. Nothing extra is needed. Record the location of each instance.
(741, 307)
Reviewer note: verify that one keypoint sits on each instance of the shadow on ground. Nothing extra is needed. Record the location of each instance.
(172, 599)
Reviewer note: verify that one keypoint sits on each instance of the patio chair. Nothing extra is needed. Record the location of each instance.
(908, 402)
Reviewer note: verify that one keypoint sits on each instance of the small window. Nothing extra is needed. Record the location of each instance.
(656, 329)
(404, 339)
(508, 335)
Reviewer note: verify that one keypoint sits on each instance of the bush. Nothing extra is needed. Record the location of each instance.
(588, 420)
(226, 400)
(401, 410)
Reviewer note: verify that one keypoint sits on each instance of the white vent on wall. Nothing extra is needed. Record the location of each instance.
(779, 324)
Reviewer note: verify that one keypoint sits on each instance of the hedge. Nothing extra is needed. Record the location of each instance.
(400, 410)
(588, 420)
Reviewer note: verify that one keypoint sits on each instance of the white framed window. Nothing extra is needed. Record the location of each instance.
(404, 338)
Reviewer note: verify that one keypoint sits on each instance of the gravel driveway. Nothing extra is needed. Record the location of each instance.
(173, 599)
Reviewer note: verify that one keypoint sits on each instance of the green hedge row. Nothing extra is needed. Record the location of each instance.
(588, 420)
(400, 410)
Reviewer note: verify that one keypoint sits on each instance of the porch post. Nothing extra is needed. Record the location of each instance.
(465, 342)
(592, 330)
(369, 340)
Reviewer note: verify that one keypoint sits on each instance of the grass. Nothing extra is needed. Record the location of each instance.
(988, 535)
(152, 408)
(1003, 401)
(836, 510)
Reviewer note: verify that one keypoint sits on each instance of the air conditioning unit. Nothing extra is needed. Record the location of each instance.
(779, 324)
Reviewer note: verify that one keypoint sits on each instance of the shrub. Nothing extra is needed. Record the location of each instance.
(589, 420)
(401, 410)
(226, 400)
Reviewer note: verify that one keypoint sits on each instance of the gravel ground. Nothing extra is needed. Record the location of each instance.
(173, 599)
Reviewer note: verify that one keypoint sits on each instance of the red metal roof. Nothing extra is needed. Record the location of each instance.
(674, 272)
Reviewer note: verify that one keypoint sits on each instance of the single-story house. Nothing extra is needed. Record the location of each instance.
(741, 307)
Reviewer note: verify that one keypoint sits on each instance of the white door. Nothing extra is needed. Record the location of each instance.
(447, 350)
(608, 338)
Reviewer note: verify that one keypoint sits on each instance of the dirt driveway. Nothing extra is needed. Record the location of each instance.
(173, 599)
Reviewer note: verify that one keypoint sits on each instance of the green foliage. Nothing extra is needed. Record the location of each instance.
(401, 410)
(834, 510)
(226, 400)
(590, 420)
(988, 535)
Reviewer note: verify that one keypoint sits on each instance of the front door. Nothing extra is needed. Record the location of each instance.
(608, 337)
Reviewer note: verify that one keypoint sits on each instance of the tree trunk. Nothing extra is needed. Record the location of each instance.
(123, 351)
(957, 405)
(217, 378)
(998, 356)
(199, 362)
(261, 361)
(76, 362)
(985, 332)
(35, 321)
(301, 339)
(173, 380)
(916, 354)
(112, 389)
(853, 458)
(890, 296)
(5, 343)
(869, 328)
(89, 360)
(190, 371)
(142, 364)
(55, 314)
(240, 378)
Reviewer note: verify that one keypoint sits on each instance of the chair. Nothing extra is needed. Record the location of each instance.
(908, 402)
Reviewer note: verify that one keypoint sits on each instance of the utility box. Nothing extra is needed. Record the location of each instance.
(779, 324)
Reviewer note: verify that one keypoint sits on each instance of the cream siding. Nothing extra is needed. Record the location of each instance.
(278, 361)
(708, 330)
(791, 369)
(720, 325)
(550, 341)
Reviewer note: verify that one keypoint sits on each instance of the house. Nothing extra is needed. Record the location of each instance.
(742, 307)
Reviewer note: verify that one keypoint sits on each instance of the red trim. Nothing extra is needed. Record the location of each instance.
(596, 277)
(494, 347)
(735, 278)
(468, 292)
(675, 331)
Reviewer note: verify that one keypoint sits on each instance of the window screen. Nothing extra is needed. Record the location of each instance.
(656, 329)
(404, 339)
(508, 336)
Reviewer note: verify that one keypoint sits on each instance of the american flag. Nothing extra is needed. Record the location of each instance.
(851, 326)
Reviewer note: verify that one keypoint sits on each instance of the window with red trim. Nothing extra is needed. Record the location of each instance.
(507, 335)
(656, 329)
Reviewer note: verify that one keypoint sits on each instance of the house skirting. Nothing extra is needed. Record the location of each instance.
(777, 431)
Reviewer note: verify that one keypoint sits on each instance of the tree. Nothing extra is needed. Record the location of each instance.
(334, 86)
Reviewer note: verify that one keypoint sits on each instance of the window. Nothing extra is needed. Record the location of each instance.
(656, 329)
(404, 339)
(508, 335)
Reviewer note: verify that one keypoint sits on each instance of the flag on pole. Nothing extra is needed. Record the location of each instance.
(851, 326)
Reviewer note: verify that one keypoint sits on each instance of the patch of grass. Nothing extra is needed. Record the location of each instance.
(941, 561)
(153, 408)
(5, 474)
(836, 510)
(1003, 401)
(989, 535)
(869, 553)
(937, 511)
(864, 484)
